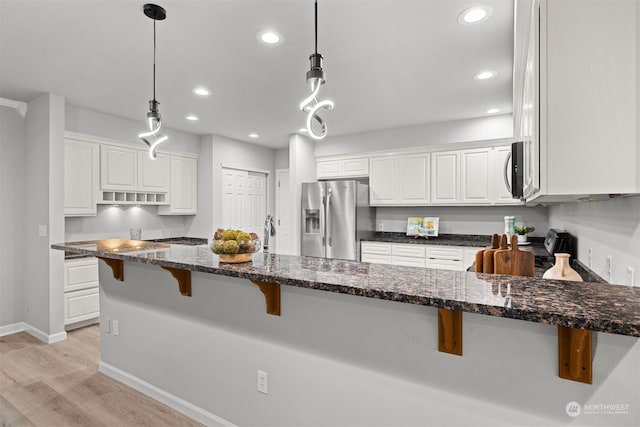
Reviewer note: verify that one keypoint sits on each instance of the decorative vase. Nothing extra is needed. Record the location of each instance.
(562, 270)
(522, 238)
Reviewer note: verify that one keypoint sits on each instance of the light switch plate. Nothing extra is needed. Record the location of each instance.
(42, 230)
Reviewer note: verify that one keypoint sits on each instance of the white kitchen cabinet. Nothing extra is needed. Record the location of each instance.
(445, 175)
(399, 180)
(475, 187)
(375, 252)
(81, 293)
(183, 187)
(81, 166)
(418, 255)
(153, 175)
(409, 255)
(413, 179)
(342, 168)
(383, 181)
(577, 97)
(118, 168)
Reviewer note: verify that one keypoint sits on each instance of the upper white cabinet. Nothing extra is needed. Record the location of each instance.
(183, 187)
(401, 180)
(445, 177)
(474, 176)
(153, 175)
(118, 168)
(81, 168)
(342, 168)
(577, 96)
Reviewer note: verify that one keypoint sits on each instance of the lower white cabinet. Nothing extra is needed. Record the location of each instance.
(458, 258)
(81, 290)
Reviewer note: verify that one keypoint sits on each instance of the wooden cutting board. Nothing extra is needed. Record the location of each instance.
(513, 261)
(479, 255)
(488, 256)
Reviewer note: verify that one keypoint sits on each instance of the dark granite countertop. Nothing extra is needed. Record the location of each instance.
(593, 306)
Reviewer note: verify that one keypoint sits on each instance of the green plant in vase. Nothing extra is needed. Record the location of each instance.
(522, 233)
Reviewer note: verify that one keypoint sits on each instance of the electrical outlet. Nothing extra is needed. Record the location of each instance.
(263, 382)
(590, 258)
(631, 276)
(115, 328)
(608, 268)
(380, 227)
(42, 230)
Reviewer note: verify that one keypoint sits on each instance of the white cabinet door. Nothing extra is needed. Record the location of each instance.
(444, 177)
(80, 178)
(383, 181)
(118, 168)
(413, 179)
(183, 195)
(474, 176)
(342, 168)
(81, 273)
(81, 305)
(153, 175)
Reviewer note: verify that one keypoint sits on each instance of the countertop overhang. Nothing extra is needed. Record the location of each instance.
(592, 306)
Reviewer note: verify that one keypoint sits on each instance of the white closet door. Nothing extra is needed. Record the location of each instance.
(244, 201)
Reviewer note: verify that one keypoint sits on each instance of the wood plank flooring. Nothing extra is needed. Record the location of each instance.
(59, 385)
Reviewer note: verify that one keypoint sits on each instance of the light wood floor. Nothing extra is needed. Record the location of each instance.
(59, 385)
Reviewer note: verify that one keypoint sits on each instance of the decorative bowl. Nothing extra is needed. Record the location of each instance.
(237, 251)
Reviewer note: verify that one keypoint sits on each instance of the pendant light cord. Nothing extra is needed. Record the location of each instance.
(316, 24)
(154, 60)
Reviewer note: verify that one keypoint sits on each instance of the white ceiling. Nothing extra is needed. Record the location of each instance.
(388, 63)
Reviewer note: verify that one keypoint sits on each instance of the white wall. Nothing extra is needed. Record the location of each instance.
(44, 267)
(12, 212)
(415, 136)
(82, 120)
(335, 359)
(466, 220)
(201, 225)
(282, 158)
(610, 228)
(302, 168)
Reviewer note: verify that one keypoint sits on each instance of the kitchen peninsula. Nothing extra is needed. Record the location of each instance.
(195, 338)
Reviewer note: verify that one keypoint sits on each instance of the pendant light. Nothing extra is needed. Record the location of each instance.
(315, 78)
(154, 119)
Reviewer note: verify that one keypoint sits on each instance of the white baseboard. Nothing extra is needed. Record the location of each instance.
(45, 338)
(11, 329)
(180, 405)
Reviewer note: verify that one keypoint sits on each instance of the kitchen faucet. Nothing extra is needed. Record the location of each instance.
(269, 230)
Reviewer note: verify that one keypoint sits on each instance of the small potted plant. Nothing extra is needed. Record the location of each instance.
(522, 233)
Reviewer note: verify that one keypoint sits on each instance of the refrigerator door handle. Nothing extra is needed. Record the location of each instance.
(328, 210)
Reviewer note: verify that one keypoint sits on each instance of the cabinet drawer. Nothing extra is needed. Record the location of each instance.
(375, 258)
(407, 261)
(80, 274)
(408, 250)
(445, 253)
(444, 264)
(81, 305)
(375, 248)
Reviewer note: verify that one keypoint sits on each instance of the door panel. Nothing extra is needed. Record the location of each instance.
(341, 221)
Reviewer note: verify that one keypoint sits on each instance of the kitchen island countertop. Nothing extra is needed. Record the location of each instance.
(592, 306)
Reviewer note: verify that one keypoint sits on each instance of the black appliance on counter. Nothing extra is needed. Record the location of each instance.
(559, 241)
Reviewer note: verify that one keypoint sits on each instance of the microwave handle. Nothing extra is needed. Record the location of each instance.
(506, 173)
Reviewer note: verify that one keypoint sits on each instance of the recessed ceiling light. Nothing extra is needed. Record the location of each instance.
(302, 130)
(270, 38)
(253, 135)
(475, 15)
(201, 91)
(484, 75)
(493, 110)
(192, 117)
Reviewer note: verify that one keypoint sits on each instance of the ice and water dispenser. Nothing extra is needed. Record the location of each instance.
(312, 221)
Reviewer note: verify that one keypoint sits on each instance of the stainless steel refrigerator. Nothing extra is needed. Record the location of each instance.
(335, 216)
